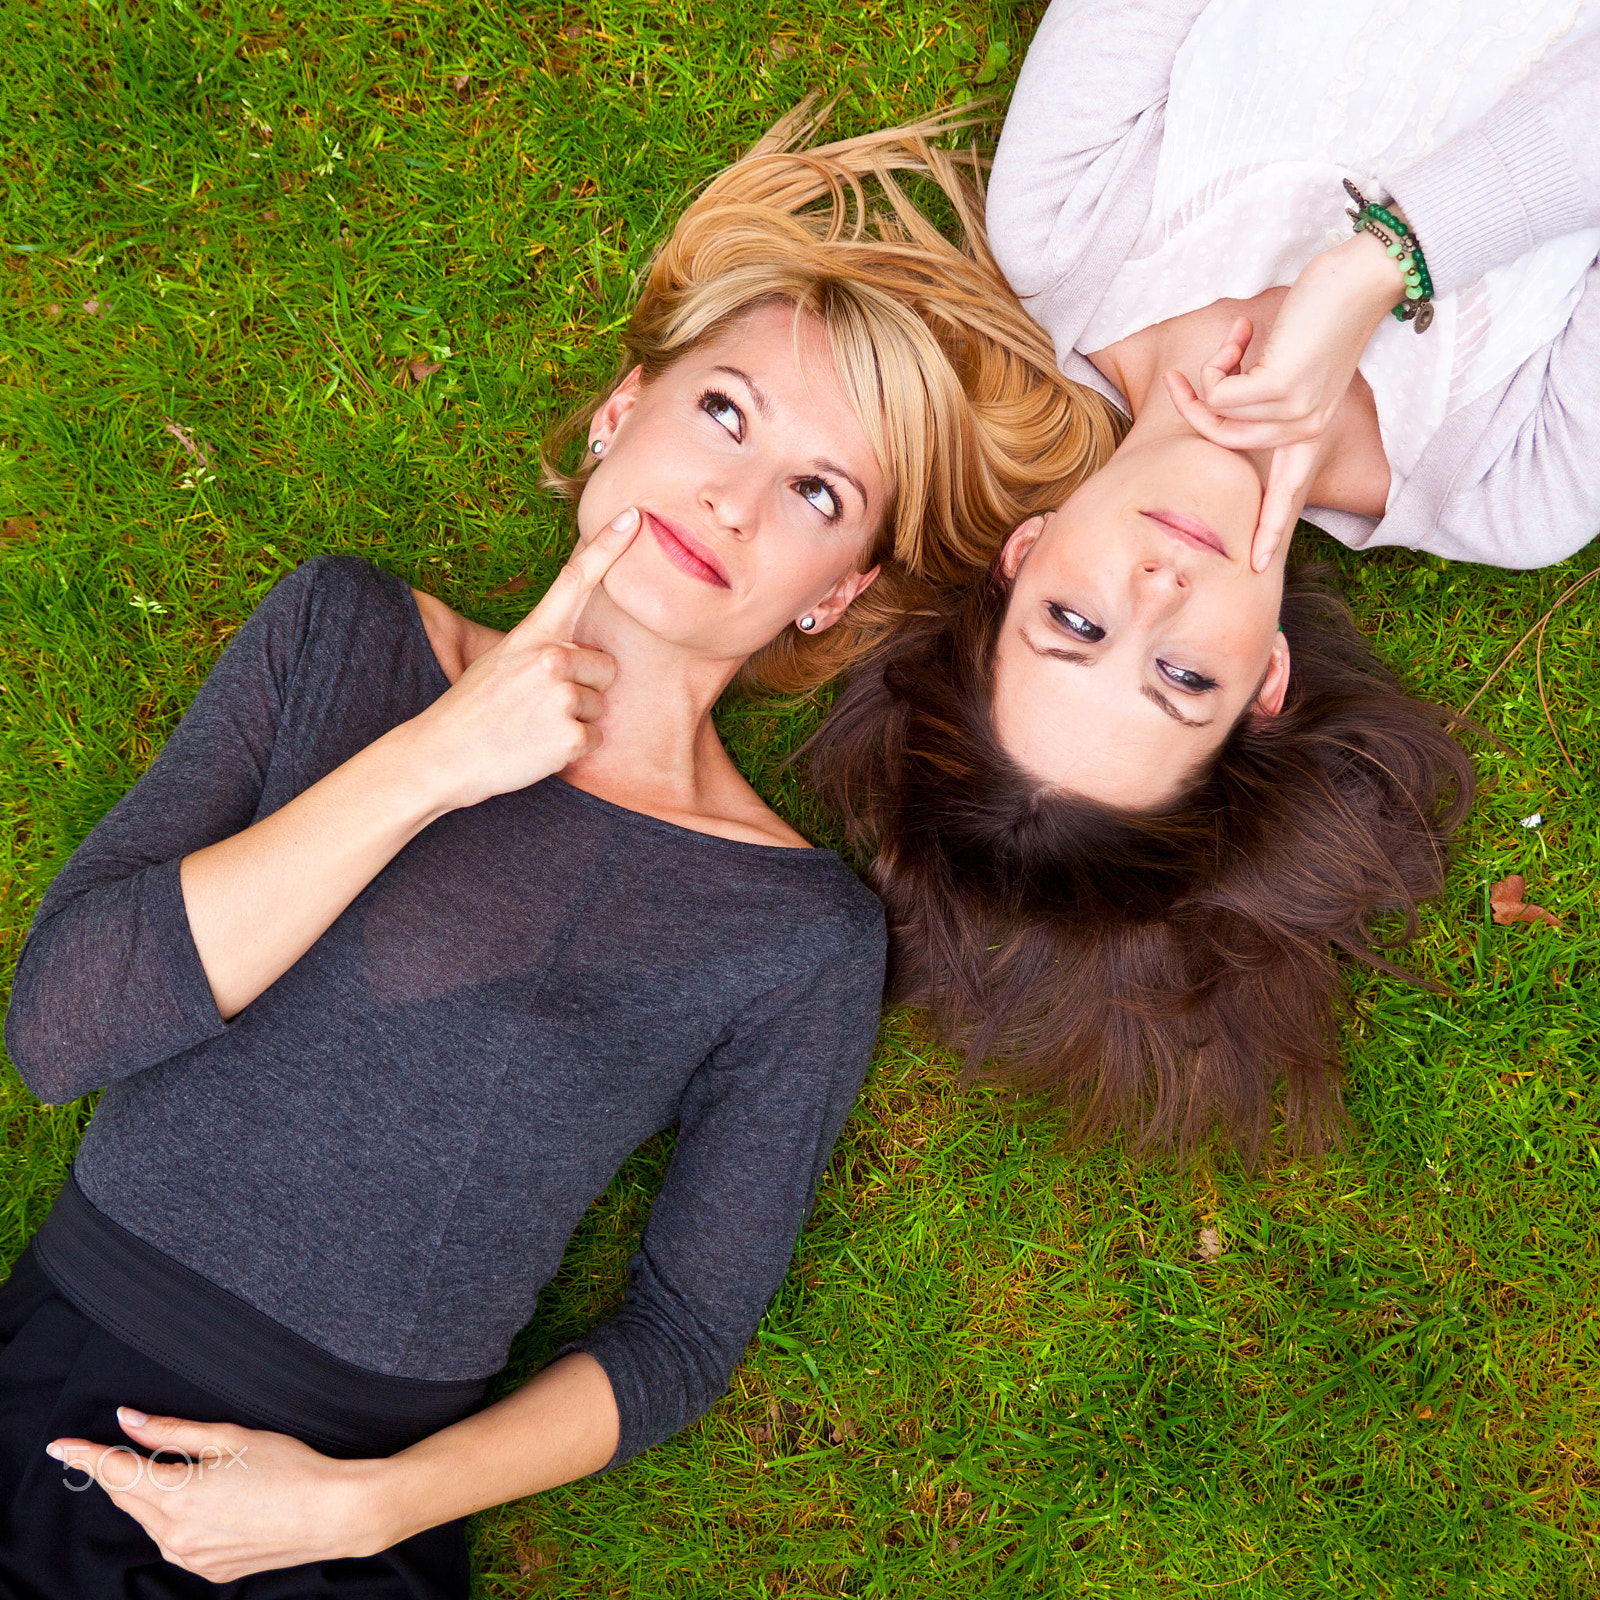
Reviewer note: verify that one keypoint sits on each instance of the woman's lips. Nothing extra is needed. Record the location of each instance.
(1190, 529)
(686, 552)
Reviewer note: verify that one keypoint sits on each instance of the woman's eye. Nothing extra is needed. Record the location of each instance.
(818, 492)
(1076, 622)
(721, 409)
(1195, 682)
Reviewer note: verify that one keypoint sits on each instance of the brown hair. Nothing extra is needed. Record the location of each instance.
(1158, 972)
(955, 384)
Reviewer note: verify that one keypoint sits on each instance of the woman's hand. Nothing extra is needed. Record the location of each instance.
(527, 706)
(1287, 400)
(226, 1501)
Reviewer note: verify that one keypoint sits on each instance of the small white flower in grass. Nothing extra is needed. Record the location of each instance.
(1535, 821)
(149, 607)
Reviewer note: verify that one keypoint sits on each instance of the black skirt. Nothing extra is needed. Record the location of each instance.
(63, 1376)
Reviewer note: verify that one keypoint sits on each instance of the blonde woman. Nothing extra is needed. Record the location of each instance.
(413, 931)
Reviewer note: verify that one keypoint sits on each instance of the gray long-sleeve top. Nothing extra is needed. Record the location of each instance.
(1513, 478)
(388, 1150)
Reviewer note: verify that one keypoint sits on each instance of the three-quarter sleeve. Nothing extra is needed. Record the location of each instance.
(109, 981)
(757, 1123)
(1526, 171)
(1088, 110)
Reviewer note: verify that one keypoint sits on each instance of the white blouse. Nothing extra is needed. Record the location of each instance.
(1270, 107)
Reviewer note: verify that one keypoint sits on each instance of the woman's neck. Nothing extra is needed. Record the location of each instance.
(659, 753)
(1354, 473)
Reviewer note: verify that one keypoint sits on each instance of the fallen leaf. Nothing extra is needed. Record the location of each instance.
(462, 87)
(1210, 1245)
(95, 308)
(194, 450)
(513, 586)
(1424, 1412)
(1507, 905)
(844, 1428)
(415, 371)
(53, 311)
(761, 1434)
(18, 528)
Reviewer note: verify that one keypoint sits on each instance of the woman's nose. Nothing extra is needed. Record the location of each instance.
(1154, 570)
(733, 510)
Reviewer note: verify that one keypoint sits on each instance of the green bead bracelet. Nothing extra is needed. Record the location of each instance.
(1401, 244)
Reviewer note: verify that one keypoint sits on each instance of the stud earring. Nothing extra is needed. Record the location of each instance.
(806, 624)
(598, 447)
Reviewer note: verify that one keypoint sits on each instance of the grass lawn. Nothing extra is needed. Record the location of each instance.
(998, 1368)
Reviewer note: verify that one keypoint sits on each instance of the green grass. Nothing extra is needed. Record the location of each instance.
(997, 1368)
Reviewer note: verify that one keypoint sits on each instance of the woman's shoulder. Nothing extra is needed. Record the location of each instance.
(338, 600)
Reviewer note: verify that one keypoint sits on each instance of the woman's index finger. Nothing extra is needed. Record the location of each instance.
(556, 615)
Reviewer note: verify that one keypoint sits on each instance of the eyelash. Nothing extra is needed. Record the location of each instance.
(1179, 677)
(1200, 685)
(1092, 631)
(714, 399)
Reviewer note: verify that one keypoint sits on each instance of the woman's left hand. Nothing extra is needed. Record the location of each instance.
(1287, 400)
(229, 1501)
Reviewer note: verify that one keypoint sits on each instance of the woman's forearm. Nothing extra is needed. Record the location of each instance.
(522, 710)
(258, 901)
(559, 1426)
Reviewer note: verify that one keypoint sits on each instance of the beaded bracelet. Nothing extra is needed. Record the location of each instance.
(1401, 243)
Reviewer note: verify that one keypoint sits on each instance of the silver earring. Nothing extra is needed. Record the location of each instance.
(806, 624)
(598, 447)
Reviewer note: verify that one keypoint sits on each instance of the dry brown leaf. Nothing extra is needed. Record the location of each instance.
(18, 528)
(415, 370)
(96, 308)
(1508, 906)
(462, 87)
(843, 1428)
(1210, 1248)
(514, 586)
(53, 311)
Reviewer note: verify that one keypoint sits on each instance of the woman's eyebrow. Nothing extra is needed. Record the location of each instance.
(1079, 658)
(763, 404)
(1152, 693)
(845, 473)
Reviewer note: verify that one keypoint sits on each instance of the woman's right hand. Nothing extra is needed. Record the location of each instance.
(1287, 400)
(527, 706)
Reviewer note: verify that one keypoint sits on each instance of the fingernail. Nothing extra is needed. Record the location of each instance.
(625, 520)
(55, 1452)
(130, 1418)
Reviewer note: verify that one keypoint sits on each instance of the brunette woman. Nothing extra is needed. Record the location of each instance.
(1134, 785)
(413, 931)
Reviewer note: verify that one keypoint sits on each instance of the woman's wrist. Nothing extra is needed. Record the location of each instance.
(1376, 279)
(370, 1508)
(421, 783)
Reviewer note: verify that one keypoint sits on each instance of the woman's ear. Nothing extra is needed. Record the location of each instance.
(836, 601)
(1019, 544)
(1275, 686)
(604, 423)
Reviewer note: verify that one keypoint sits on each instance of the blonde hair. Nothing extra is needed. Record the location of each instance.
(955, 385)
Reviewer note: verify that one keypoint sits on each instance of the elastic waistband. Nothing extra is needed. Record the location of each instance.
(171, 1314)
